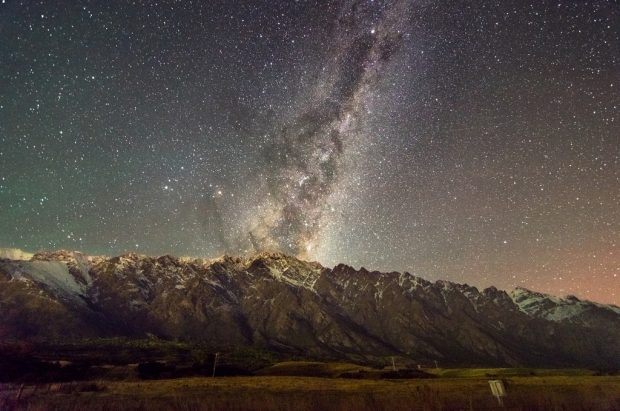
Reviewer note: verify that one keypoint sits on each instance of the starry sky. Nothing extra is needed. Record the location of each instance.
(477, 142)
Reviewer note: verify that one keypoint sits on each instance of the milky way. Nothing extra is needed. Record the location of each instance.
(305, 159)
(473, 142)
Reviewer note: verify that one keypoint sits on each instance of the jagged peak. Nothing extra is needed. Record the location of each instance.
(267, 257)
(58, 254)
(523, 290)
(281, 264)
(521, 293)
(223, 259)
(271, 255)
(554, 308)
(279, 258)
(445, 284)
(168, 259)
(132, 254)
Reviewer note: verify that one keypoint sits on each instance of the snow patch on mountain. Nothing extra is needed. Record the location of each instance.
(553, 308)
(54, 274)
(286, 269)
(15, 254)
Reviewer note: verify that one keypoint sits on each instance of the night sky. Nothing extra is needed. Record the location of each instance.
(477, 142)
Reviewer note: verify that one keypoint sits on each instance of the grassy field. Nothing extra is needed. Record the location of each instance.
(451, 389)
(508, 372)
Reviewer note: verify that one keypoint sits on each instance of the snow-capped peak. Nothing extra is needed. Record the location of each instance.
(549, 307)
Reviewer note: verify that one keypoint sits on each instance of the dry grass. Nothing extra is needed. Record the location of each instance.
(507, 372)
(311, 369)
(281, 393)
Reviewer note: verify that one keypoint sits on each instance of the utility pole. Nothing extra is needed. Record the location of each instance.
(393, 365)
(217, 354)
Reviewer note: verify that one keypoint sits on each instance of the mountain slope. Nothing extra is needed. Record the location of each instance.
(277, 302)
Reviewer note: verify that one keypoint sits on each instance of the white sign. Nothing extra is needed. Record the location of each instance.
(498, 390)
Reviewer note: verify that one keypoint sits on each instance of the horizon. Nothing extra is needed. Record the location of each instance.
(248, 255)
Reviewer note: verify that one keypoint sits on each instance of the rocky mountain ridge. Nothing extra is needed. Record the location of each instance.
(280, 303)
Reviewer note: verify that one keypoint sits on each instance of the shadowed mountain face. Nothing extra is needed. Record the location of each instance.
(280, 303)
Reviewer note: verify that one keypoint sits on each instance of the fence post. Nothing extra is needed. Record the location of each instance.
(19, 392)
(217, 354)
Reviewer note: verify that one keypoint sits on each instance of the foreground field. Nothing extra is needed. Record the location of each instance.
(548, 393)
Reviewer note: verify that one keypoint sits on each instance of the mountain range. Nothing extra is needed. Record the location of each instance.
(277, 302)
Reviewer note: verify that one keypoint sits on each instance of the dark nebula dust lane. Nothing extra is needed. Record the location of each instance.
(475, 142)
